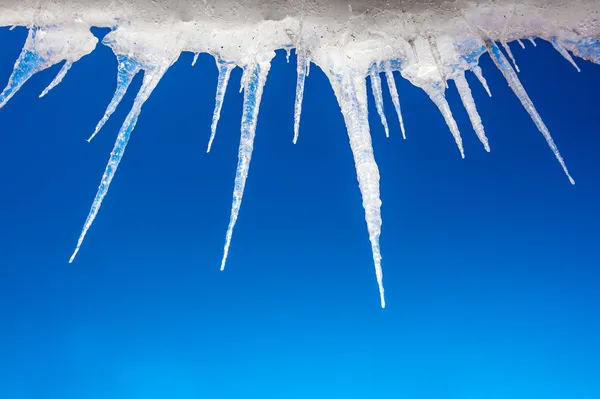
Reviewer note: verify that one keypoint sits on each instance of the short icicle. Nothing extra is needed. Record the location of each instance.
(521, 43)
(510, 54)
(254, 82)
(436, 93)
(59, 77)
(515, 84)
(467, 99)
(351, 93)
(225, 69)
(479, 74)
(151, 79)
(532, 40)
(27, 65)
(563, 51)
(389, 76)
(378, 95)
(302, 68)
(195, 59)
(128, 67)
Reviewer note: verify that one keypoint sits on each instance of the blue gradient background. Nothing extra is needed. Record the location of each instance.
(490, 263)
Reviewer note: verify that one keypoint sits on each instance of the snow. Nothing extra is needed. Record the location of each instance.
(428, 43)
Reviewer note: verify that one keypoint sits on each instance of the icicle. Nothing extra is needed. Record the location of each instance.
(532, 40)
(225, 69)
(195, 58)
(59, 77)
(514, 83)
(351, 93)
(479, 73)
(151, 79)
(438, 59)
(389, 75)
(510, 54)
(467, 99)
(521, 43)
(378, 95)
(558, 47)
(288, 51)
(253, 89)
(436, 93)
(127, 69)
(27, 65)
(302, 67)
(243, 79)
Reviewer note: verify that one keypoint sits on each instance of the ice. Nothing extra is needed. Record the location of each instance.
(435, 52)
(350, 90)
(479, 74)
(435, 91)
(225, 69)
(59, 77)
(253, 84)
(558, 47)
(532, 40)
(44, 48)
(510, 54)
(378, 95)
(428, 43)
(389, 75)
(127, 69)
(302, 69)
(467, 99)
(151, 79)
(515, 84)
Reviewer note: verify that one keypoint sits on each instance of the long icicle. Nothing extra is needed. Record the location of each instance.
(510, 54)
(59, 77)
(351, 93)
(436, 93)
(127, 69)
(254, 82)
(389, 76)
(225, 69)
(563, 51)
(516, 86)
(467, 99)
(378, 95)
(302, 68)
(151, 79)
(27, 65)
(479, 74)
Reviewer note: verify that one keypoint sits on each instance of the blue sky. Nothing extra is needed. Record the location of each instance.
(490, 263)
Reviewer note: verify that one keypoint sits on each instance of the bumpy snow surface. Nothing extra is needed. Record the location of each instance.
(427, 42)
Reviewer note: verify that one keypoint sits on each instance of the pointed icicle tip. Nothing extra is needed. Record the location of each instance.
(254, 82)
(351, 93)
(389, 76)
(127, 68)
(479, 74)
(436, 93)
(517, 87)
(59, 77)
(151, 79)
(302, 68)
(510, 54)
(225, 69)
(378, 96)
(27, 65)
(563, 51)
(469, 102)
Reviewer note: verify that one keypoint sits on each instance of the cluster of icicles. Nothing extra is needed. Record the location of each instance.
(348, 83)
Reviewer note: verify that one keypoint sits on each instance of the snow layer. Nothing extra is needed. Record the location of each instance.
(427, 41)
